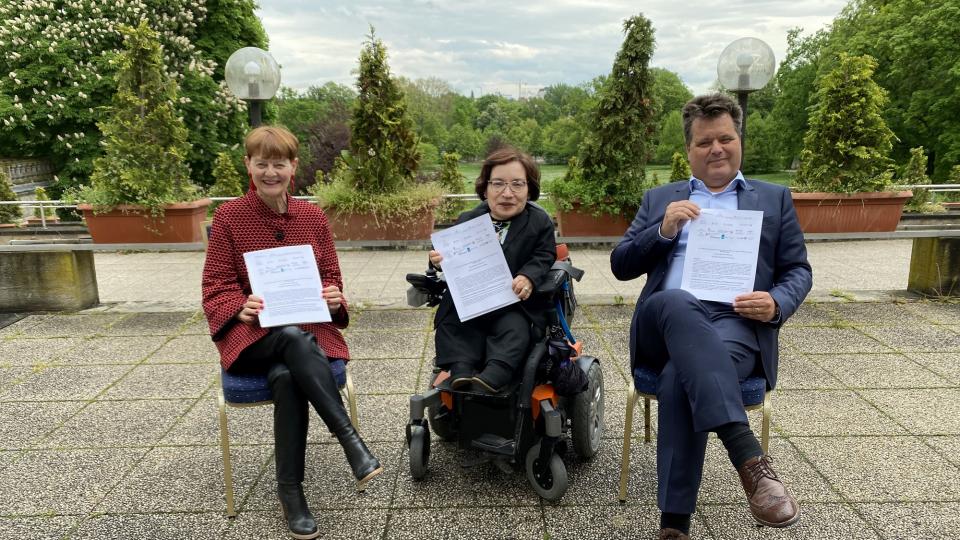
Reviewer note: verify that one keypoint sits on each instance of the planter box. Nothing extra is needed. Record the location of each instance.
(347, 226)
(857, 212)
(581, 222)
(127, 224)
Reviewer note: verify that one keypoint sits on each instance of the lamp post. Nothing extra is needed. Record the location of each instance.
(745, 66)
(253, 76)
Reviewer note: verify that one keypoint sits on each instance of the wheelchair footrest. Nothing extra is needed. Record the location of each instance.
(494, 444)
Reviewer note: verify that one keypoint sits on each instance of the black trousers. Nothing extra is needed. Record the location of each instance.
(503, 335)
(295, 367)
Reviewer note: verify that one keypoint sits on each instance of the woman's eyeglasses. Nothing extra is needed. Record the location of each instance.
(517, 186)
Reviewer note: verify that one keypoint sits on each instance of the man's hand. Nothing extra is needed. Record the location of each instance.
(677, 213)
(251, 309)
(756, 305)
(435, 258)
(334, 298)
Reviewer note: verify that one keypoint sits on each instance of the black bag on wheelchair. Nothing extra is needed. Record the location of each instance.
(559, 368)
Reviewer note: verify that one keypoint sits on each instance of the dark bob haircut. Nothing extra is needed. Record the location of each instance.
(502, 156)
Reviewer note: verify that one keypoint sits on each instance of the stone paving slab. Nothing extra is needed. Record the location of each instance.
(108, 425)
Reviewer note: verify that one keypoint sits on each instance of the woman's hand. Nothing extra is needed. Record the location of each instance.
(251, 309)
(334, 298)
(522, 287)
(435, 258)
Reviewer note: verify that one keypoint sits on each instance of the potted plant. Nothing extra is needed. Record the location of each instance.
(844, 182)
(604, 184)
(9, 213)
(48, 214)
(371, 193)
(140, 189)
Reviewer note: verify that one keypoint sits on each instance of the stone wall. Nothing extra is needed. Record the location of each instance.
(27, 174)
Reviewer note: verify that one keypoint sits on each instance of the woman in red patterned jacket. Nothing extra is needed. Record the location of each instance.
(295, 358)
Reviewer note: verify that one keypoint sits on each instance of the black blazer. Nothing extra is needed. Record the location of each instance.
(530, 250)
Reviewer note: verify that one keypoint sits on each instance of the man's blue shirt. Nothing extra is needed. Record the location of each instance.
(704, 198)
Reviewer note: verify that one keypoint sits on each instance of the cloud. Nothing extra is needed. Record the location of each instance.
(500, 45)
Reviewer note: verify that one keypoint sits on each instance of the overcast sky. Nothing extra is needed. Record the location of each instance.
(502, 46)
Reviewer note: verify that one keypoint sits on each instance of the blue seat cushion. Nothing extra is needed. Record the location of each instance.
(752, 388)
(252, 388)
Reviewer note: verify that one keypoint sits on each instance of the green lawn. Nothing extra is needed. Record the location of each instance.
(548, 173)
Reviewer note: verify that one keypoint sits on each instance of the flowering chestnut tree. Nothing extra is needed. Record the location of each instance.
(58, 60)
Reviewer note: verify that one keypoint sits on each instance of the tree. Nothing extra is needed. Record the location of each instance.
(568, 100)
(671, 138)
(227, 181)
(8, 212)
(429, 103)
(383, 147)
(561, 139)
(846, 147)
(617, 146)
(669, 93)
(377, 174)
(145, 143)
(319, 117)
(47, 212)
(526, 135)
(917, 47)
(795, 81)
(679, 168)
(463, 140)
(61, 56)
(762, 152)
(915, 173)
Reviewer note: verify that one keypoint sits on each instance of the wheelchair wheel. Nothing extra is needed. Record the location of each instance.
(550, 482)
(418, 447)
(587, 429)
(441, 419)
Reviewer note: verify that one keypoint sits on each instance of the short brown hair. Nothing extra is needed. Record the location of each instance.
(502, 156)
(271, 142)
(710, 106)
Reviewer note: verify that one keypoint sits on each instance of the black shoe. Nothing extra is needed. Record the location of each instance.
(365, 466)
(299, 519)
(461, 375)
(494, 377)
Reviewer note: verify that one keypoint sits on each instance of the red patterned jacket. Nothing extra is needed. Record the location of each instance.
(248, 224)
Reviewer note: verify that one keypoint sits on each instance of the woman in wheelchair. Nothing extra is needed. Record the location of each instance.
(487, 351)
(294, 358)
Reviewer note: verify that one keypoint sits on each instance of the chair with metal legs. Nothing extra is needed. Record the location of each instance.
(644, 385)
(253, 390)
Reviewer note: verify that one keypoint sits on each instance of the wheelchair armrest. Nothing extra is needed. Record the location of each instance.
(556, 276)
(551, 283)
(425, 289)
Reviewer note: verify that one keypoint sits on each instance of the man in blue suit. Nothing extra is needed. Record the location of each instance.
(702, 349)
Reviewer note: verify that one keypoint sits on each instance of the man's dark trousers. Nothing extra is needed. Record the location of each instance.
(702, 350)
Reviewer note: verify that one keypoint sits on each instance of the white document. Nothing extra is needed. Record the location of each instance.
(288, 281)
(477, 274)
(721, 258)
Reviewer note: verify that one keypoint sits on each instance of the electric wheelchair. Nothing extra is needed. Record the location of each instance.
(527, 425)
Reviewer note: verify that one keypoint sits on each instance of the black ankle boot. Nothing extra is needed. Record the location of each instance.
(321, 391)
(365, 466)
(299, 519)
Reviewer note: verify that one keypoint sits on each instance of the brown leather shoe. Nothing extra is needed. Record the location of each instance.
(770, 502)
(672, 534)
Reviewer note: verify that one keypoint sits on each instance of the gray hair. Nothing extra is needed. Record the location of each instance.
(710, 106)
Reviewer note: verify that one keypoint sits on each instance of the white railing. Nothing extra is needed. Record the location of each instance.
(44, 206)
